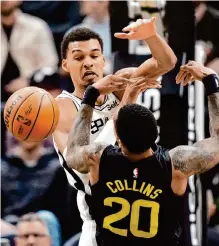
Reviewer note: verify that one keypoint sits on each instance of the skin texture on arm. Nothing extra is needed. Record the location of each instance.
(68, 113)
(81, 155)
(163, 58)
(203, 155)
(198, 158)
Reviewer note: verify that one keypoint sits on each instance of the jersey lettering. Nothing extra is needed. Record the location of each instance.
(134, 212)
(96, 125)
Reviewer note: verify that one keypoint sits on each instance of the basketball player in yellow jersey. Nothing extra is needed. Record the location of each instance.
(84, 61)
(136, 187)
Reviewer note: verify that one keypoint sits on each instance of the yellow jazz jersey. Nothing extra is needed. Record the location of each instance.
(133, 202)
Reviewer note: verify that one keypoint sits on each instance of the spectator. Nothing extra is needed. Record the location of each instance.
(50, 11)
(26, 44)
(32, 180)
(47, 78)
(97, 19)
(32, 230)
(207, 15)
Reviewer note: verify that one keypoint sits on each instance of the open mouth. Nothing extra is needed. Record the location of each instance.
(89, 74)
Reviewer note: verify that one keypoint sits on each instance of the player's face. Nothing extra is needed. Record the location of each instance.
(32, 233)
(85, 62)
(7, 7)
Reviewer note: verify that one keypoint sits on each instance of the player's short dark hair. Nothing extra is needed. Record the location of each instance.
(79, 34)
(136, 127)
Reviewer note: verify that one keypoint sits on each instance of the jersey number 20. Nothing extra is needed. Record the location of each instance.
(134, 216)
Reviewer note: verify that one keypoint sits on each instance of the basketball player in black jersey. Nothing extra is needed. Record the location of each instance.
(135, 188)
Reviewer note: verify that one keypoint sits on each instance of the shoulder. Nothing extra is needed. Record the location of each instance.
(67, 111)
(8, 165)
(161, 152)
(4, 165)
(163, 156)
(110, 151)
(32, 22)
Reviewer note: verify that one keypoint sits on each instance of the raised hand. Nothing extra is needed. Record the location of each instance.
(192, 71)
(138, 30)
(111, 83)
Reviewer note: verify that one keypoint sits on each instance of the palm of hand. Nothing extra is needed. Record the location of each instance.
(139, 30)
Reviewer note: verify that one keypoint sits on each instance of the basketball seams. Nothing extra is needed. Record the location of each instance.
(41, 100)
(12, 122)
(53, 119)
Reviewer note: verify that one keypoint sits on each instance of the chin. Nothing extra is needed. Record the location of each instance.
(89, 82)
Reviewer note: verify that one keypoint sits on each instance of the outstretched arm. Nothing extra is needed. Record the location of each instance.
(203, 155)
(81, 154)
(163, 59)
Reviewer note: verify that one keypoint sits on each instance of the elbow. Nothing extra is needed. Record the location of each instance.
(170, 63)
(77, 163)
(173, 62)
(69, 161)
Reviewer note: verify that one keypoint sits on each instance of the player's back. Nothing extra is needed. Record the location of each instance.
(134, 202)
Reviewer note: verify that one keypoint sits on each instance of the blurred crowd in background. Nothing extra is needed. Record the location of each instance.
(32, 180)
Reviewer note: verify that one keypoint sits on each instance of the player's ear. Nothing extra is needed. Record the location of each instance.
(65, 65)
(104, 61)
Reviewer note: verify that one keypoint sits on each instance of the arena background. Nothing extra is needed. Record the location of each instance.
(181, 112)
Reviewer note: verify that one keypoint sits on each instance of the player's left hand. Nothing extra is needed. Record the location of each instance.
(134, 89)
(138, 30)
(111, 83)
(192, 71)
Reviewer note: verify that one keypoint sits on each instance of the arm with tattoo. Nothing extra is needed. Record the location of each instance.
(204, 154)
(80, 153)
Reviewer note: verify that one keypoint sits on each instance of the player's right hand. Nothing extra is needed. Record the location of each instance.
(192, 71)
(111, 83)
(138, 30)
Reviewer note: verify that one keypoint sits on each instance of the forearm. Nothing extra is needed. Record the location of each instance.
(213, 106)
(80, 132)
(161, 52)
(211, 83)
(163, 59)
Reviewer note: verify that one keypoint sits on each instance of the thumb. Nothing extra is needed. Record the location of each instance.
(120, 35)
(153, 19)
(187, 68)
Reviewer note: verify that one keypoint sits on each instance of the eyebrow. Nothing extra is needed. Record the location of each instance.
(78, 50)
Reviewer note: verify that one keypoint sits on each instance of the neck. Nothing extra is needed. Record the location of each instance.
(78, 92)
(100, 18)
(8, 20)
(137, 157)
(32, 154)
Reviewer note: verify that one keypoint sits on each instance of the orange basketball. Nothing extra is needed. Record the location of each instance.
(31, 114)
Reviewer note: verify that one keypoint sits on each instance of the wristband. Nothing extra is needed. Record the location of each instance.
(90, 96)
(211, 83)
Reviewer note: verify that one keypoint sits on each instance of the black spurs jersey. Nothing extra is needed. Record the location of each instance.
(133, 202)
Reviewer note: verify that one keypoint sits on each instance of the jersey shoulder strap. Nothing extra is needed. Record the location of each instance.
(75, 100)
